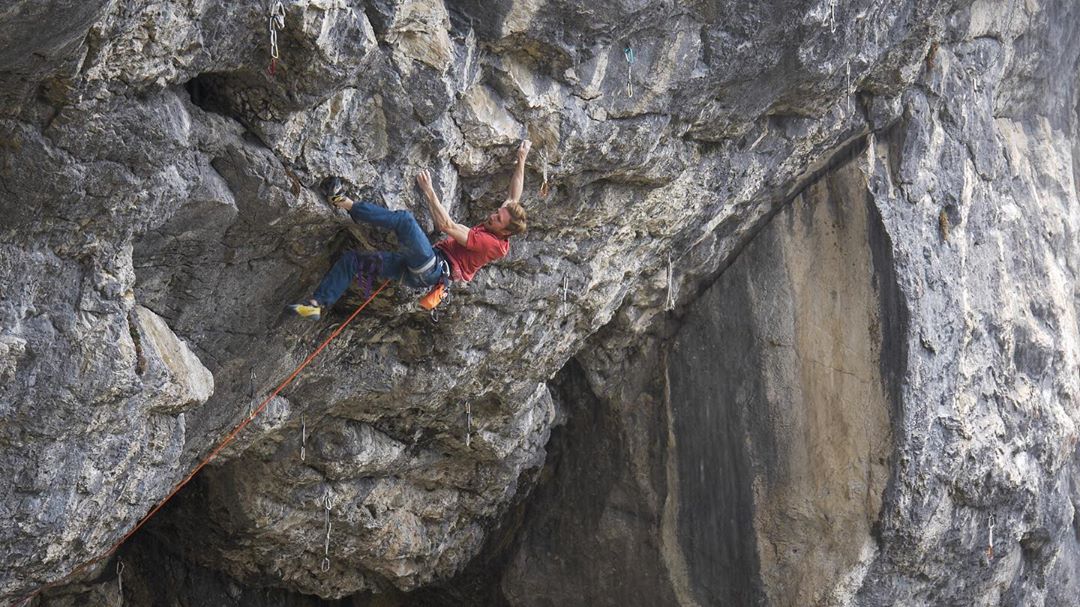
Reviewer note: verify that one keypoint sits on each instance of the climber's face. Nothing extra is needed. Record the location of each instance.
(497, 221)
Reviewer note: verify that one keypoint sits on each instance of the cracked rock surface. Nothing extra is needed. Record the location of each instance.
(804, 304)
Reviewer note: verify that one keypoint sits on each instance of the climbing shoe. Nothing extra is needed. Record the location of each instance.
(305, 311)
(333, 188)
(434, 297)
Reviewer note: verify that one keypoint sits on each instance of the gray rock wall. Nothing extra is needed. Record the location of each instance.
(155, 189)
(748, 465)
(852, 426)
(778, 412)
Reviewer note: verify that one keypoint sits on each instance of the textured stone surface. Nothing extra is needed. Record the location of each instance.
(779, 417)
(964, 380)
(154, 180)
(747, 464)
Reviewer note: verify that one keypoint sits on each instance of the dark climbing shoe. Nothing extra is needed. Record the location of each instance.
(333, 189)
(305, 311)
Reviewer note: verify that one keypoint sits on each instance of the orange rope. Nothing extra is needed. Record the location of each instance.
(228, 439)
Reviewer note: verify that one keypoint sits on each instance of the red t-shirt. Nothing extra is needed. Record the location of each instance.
(481, 247)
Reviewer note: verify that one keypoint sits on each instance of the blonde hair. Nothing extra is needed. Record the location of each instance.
(518, 218)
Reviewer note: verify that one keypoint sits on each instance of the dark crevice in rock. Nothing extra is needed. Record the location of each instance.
(486, 18)
(208, 91)
(894, 315)
(716, 507)
(841, 155)
(237, 96)
(575, 476)
(380, 16)
(155, 574)
(140, 365)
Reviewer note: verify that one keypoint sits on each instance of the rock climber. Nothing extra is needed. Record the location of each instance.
(416, 263)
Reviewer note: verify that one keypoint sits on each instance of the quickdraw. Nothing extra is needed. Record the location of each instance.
(468, 424)
(303, 438)
(120, 579)
(545, 189)
(326, 546)
(630, 59)
(277, 23)
(990, 540)
(669, 305)
(251, 390)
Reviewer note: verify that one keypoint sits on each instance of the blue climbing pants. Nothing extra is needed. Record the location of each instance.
(414, 253)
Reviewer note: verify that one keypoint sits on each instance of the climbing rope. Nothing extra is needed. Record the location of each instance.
(213, 454)
(277, 23)
(630, 59)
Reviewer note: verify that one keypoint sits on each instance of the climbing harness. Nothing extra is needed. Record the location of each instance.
(303, 438)
(424, 269)
(545, 189)
(439, 293)
(630, 59)
(277, 23)
(213, 454)
(326, 546)
(468, 423)
(990, 540)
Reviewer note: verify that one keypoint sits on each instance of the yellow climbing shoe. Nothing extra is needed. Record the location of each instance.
(434, 297)
(306, 311)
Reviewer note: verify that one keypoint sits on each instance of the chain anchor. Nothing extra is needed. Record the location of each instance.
(277, 23)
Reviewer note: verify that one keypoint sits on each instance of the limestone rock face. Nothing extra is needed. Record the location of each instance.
(803, 294)
(865, 407)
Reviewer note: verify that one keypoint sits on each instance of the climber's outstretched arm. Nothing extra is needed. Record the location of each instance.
(517, 182)
(442, 219)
